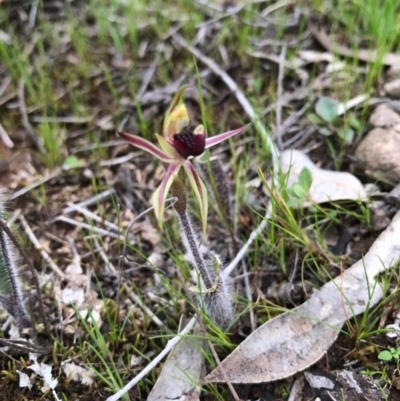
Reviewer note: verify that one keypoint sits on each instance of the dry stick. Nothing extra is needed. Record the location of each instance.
(263, 225)
(40, 248)
(94, 199)
(97, 218)
(35, 139)
(5, 138)
(133, 296)
(23, 191)
(32, 14)
(89, 227)
(109, 266)
(140, 303)
(278, 112)
(28, 262)
(170, 344)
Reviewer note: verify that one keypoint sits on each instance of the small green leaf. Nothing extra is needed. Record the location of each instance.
(385, 355)
(294, 202)
(325, 131)
(355, 123)
(327, 109)
(313, 209)
(346, 134)
(315, 119)
(72, 162)
(298, 191)
(305, 179)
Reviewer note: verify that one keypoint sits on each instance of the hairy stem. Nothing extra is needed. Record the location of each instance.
(179, 192)
(10, 234)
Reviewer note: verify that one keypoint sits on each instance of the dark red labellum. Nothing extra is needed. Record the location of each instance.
(189, 144)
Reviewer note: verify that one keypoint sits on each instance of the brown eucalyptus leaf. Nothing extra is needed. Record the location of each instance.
(298, 338)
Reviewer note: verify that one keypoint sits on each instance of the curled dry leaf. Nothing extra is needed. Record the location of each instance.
(298, 338)
(326, 185)
(181, 373)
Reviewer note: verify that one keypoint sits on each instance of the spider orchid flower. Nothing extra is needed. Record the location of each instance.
(179, 143)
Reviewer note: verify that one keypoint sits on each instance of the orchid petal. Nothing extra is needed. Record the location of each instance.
(199, 130)
(160, 195)
(200, 191)
(176, 117)
(141, 143)
(214, 140)
(168, 149)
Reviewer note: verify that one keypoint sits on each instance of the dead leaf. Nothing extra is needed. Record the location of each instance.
(78, 373)
(326, 185)
(298, 338)
(181, 373)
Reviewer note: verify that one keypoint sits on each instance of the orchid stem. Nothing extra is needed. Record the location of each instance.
(180, 206)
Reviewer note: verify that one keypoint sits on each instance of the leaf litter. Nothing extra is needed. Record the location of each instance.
(92, 278)
(298, 338)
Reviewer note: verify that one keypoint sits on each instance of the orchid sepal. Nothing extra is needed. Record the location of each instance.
(160, 194)
(176, 117)
(200, 192)
(214, 140)
(168, 149)
(147, 146)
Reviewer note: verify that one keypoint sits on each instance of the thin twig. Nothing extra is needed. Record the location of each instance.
(35, 139)
(46, 257)
(248, 295)
(109, 266)
(278, 111)
(263, 225)
(133, 296)
(36, 184)
(140, 303)
(88, 202)
(5, 138)
(89, 227)
(98, 219)
(170, 344)
(33, 13)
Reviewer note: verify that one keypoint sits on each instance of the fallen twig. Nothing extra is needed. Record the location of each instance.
(36, 184)
(170, 344)
(369, 56)
(33, 137)
(5, 138)
(94, 199)
(278, 111)
(263, 225)
(46, 257)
